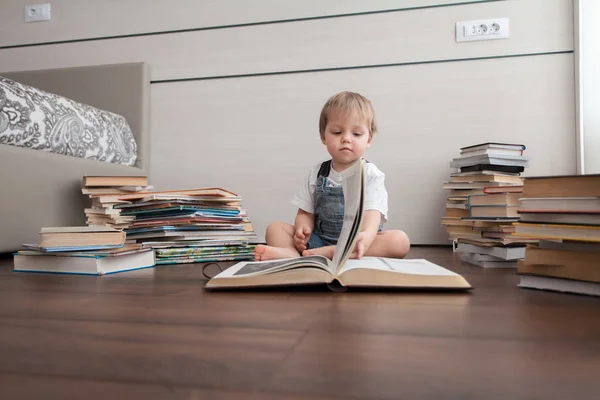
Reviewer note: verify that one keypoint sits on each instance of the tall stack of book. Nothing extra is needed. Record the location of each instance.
(564, 213)
(104, 192)
(87, 250)
(483, 203)
(182, 226)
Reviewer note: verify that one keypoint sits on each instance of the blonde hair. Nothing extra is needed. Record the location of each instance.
(348, 101)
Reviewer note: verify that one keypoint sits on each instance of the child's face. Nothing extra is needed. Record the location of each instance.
(346, 137)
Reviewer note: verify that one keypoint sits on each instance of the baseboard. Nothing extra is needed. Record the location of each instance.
(432, 245)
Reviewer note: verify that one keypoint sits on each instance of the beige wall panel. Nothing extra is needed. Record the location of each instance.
(258, 136)
(420, 35)
(590, 84)
(79, 19)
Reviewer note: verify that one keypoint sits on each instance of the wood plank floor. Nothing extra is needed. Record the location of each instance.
(155, 334)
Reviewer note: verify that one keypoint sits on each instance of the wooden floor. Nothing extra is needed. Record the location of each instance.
(155, 334)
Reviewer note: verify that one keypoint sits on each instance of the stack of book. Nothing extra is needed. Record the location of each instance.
(182, 226)
(189, 226)
(104, 192)
(87, 250)
(564, 213)
(483, 203)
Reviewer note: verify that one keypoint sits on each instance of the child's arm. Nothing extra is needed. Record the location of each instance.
(303, 227)
(370, 227)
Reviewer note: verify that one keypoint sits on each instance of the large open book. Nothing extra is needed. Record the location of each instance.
(342, 272)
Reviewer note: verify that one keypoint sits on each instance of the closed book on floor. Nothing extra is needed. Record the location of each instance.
(494, 146)
(495, 211)
(486, 177)
(562, 186)
(482, 261)
(72, 236)
(560, 204)
(93, 181)
(503, 189)
(494, 199)
(590, 233)
(493, 168)
(90, 264)
(560, 218)
(510, 161)
(504, 253)
(559, 285)
(579, 265)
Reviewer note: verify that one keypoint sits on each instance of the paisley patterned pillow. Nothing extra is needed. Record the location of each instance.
(39, 120)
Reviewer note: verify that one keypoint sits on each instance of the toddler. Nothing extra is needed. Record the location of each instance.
(346, 125)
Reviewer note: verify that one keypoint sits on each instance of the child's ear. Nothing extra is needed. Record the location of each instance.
(370, 140)
(323, 138)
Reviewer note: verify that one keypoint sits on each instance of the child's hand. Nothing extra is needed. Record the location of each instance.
(301, 237)
(363, 242)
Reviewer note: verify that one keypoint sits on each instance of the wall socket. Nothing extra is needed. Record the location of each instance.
(483, 29)
(37, 12)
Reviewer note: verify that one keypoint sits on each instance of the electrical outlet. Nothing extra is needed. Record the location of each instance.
(484, 29)
(37, 12)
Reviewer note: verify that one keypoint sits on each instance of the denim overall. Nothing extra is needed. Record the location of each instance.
(329, 211)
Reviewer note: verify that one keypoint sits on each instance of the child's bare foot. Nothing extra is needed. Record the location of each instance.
(326, 251)
(265, 253)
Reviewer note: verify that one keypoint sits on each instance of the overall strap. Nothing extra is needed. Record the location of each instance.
(325, 168)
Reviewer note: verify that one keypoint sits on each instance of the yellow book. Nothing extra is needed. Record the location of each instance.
(558, 231)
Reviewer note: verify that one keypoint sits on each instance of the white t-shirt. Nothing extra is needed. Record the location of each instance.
(377, 198)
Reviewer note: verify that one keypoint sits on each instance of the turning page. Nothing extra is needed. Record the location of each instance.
(354, 197)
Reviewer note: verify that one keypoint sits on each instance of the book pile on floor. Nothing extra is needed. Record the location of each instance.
(88, 250)
(483, 203)
(104, 192)
(564, 213)
(182, 226)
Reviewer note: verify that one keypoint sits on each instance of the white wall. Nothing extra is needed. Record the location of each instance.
(247, 118)
(589, 64)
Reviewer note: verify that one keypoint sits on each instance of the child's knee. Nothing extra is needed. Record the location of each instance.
(402, 237)
(278, 228)
(273, 226)
(400, 242)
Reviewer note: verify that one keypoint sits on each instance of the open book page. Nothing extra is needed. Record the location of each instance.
(291, 271)
(247, 268)
(405, 266)
(400, 273)
(353, 181)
